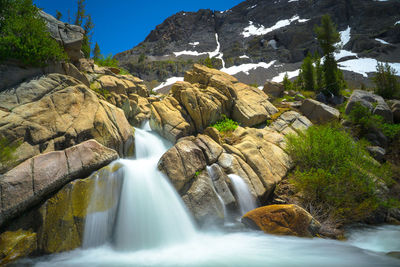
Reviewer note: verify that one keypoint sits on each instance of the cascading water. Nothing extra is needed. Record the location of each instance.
(150, 213)
(243, 194)
(153, 228)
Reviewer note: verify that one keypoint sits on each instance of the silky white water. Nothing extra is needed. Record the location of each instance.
(152, 228)
(243, 194)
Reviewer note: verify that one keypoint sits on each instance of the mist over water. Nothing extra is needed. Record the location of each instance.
(150, 226)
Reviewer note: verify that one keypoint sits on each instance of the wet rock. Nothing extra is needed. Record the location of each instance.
(282, 220)
(15, 245)
(31, 181)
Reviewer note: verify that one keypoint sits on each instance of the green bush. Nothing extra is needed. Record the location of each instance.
(24, 36)
(386, 82)
(225, 125)
(109, 61)
(365, 120)
(335, 174)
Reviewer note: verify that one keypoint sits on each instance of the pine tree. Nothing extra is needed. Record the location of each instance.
(287, 84)
(58, 15)
(96, 52)
(319, 74)
(87, 39)
(80, 13)
(328, 36)
(307, 70)
(386, 82)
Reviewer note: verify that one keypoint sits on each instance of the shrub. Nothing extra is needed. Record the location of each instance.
(335, 174)
(225, 125)
(386, 82)
(24, 36)
(109, 61)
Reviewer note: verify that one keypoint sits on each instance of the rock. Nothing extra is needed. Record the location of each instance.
(170, 120)
(299, 97)
(282, 220)
(290, 122)
(202, 200)
(262, 150)
(274, 89)
(15, 245)
(56, 112)
(377, 138)
(396, 111)
(63, 215)
(123, 84)
(181, 163)
(220, 179)
(376, 104)
(137, 109)
(68, 35)
(377, 153)
(31, 181)
(318, 112)
(252, 106)
(210, 77)
(204, 106)
(394, 254)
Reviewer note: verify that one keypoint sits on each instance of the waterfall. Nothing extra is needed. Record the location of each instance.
(243, 195)
(150, 212)
(211, 174)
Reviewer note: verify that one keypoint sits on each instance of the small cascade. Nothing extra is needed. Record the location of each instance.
(211, 174)
(102, 207)
(243, 194)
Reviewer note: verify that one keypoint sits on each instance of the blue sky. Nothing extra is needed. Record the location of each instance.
(121, 25)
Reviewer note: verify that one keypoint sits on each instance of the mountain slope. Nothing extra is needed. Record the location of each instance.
(259, 39)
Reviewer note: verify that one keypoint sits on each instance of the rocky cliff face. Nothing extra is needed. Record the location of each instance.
(278, 31)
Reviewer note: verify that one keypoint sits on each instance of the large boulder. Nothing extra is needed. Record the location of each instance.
(123, 84)
(396, 110)
(137, 109)
(16, 244)
(290, 122)
(56, 112)
(282, 220)
(318, 112)
(68, 35)
(273, 89)
(251, 106)
(375, 103)
(34, 179)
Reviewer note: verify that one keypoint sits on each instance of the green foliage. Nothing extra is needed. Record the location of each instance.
(287, 84)
(96, 52)
(225, 125)
(213, 63)
(84, 20)
(328, 36)
(319, 74)
(254, 85)
(335, 174)
(107, 61)
(386, 82)
(100, 90)
(197, 173)
(365, 121)
(24, 36)
(307, 71)
(58, 15)
(142, 58)
(7, 151)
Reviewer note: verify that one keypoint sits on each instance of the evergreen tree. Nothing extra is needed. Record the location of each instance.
(307, 70)
(80, 13)
(96, 52)
(58, 15)
(319, 74)
(84, 20)
(287, 84)
(328, 36)
(386, 82)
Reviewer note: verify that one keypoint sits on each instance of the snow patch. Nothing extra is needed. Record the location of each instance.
(169, 81)
(189, 53)
(261, 30)
(293, 1)
(194, 44)
(345, 36)
(290, 74)
(244, 56)
(398, 22)
(364, 65)
(381, 41)
(245, 68)
(252, 7)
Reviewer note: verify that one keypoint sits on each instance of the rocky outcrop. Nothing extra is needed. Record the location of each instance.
(68, 35)
(122, 84)
(15, 245)
(204, 98)
(375, 103)
(56, 112)
(34, 179)
(252, 106)
(319, 112)
(290, 122)
(282, 220)
(395, 106)
(198, 168)
(274, 89)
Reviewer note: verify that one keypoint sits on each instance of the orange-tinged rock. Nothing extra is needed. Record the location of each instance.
(282, 220)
